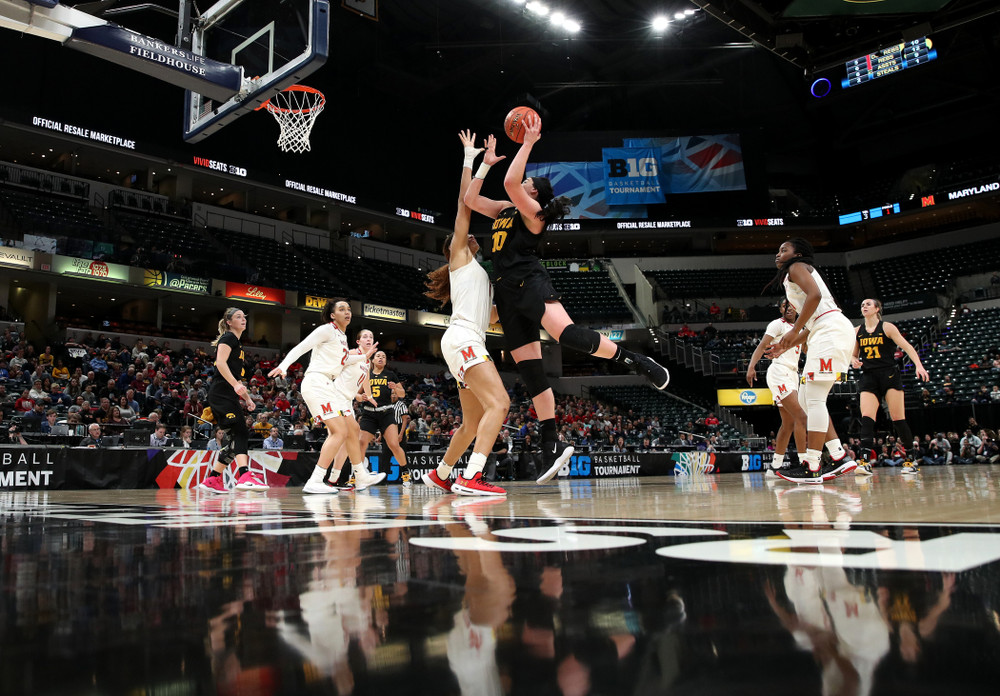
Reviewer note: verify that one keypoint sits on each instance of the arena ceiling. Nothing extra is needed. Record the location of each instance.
(401, 86)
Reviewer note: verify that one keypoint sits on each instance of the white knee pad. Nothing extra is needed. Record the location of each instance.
(812, 396)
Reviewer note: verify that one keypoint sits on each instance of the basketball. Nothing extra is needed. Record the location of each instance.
(513, 125)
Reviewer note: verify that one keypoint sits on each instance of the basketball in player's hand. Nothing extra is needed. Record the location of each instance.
(513, 125)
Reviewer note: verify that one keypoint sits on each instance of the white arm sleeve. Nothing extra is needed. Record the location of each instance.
(319, 335)
(354, 358)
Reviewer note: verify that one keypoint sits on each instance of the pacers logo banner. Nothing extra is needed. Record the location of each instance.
(632, 175)
(158, 279)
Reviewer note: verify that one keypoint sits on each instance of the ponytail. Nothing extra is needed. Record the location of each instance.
(439, 281)
(224, 323)
(552, 208)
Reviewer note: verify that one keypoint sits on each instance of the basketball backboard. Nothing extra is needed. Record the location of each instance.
(277, 43)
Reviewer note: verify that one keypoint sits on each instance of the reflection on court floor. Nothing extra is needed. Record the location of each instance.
(673, 585)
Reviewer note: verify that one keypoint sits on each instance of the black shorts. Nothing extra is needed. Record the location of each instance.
(521, 305)
(878, 382)
(375, 421)
(227, 409)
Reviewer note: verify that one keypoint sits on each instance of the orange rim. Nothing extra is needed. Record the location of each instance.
(295, 88)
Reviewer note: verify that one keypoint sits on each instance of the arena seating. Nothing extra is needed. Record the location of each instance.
(362, 280)
(591, 296)
(648, 402)
(935, 270)
(167, 243)
(973, 337)
(51, 213)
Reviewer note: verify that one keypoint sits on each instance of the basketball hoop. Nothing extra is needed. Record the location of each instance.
(295, 109)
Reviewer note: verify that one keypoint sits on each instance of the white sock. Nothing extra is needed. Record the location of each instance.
(318, 474)
(477, 461)
(778, 461)
(335, 475)
(444, 471)
(835, 449)
(363, 466)
(813, 459)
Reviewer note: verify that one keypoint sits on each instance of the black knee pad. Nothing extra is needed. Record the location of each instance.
(533, 374)
(581, 339)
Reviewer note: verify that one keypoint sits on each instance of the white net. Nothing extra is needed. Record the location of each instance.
(295, 109)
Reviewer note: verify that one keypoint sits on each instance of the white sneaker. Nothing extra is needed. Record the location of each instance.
(364, 478)
(864, 469)
(319, 488)
(769, 474)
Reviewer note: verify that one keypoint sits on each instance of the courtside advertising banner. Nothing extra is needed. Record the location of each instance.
(374, 311)
(175, 281)
(68, 265)
(632, 175)
(745, 397)
(256, 293)
(22, 258)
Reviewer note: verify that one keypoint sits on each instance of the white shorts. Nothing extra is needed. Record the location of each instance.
(324, 400)
(829, 348)
(782, 381)
(462, 348)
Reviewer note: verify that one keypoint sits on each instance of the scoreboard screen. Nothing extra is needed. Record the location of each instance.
(888, 61)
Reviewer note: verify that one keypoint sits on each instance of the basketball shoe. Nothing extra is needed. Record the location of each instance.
(910, 468)
(214, 484)
(827, 472)
(864, 469)
(251, 481)
(404, 477)
(844, 465)
(554, 455)
(319, 488)
(364, 478)
(477, 485)
(432, 480)
(656, 373)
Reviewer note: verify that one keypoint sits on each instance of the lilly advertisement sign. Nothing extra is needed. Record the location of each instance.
(255, 293)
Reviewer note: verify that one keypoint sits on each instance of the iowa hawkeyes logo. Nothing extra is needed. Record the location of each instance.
(230, 415)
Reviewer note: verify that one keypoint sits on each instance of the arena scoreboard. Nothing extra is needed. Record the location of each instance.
(888, 61)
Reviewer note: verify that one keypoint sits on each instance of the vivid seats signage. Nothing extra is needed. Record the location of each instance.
(175, 281)
(67, 265)
(257, 293)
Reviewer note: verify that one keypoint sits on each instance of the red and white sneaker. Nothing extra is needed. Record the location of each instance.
(214, 484)
(434, 481)
(251, 481)
(476, 486)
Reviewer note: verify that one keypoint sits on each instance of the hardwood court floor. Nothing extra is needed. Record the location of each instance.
(697, 585)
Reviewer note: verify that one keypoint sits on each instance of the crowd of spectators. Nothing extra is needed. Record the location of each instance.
(162, 389)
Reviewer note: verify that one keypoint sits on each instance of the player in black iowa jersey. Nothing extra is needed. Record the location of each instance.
(224, 395)
(385, 384)
(523, 292)
(874, 353)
